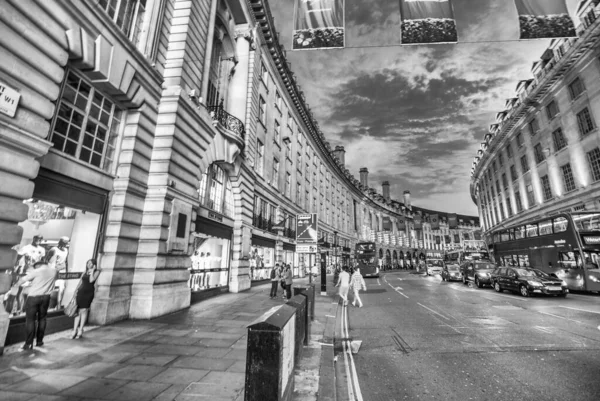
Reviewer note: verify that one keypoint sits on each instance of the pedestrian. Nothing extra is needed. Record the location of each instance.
(42, 279)
(274, 280)
(84, 297)
(282, 279)
(289, 280)
(344, 284)
(357, 282)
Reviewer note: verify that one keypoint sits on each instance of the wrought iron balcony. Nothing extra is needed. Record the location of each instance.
(231, 123)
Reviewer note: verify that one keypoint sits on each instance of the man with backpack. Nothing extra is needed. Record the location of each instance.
(274, 280)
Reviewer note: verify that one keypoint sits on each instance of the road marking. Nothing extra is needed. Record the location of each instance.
(378, 283)
(546, 330)
(401, 293)
(581, 310)
(507, 296)
(329, 316)
(561, 317)
(353, 385)
(431, 310)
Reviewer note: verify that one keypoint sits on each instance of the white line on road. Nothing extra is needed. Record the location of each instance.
(546, 330)
(378, 283)
(561, 317)
(581, 310)
(431, 310)
(401, 293)
(329, 316)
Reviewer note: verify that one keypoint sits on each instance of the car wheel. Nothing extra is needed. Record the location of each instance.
(497, 287)
(464, 279)
(523, 291)
(477, 282)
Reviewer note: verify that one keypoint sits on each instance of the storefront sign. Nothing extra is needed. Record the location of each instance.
(306, 229)
(215, 216)
(589, 240)
(69, 276)
(9, 100)
(306, 248)
(318, 24)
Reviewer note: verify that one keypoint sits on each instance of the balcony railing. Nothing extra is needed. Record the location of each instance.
(267, 224)
(233, 124)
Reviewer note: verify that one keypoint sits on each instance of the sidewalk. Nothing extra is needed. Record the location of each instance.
(198, 353)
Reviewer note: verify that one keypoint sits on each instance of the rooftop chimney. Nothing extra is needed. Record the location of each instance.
(364, 177)
(407, 199)
(340, 153)
(385, 186)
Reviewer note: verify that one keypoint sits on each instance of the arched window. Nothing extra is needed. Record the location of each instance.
(221, 64)
(215, 191)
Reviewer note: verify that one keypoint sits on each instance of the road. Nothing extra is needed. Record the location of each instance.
(424, 339)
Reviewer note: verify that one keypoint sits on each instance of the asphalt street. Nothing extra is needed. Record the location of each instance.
(426, 339)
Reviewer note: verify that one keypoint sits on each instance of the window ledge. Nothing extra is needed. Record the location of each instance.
(261, 122)
(561, 150)
(593, 130)
(276, 143)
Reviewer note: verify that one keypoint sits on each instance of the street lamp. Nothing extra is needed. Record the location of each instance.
(335, 261)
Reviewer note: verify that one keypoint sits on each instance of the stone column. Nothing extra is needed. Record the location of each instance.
(238, 87)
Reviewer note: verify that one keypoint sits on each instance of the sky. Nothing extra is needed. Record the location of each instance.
(414, 115)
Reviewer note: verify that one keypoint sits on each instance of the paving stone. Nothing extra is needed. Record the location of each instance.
(217, 335)
(10, 376)
(46, 383)
(13, 396)
(231, 323)
(44, 397)
(213, 352)
(214, 342)
(226, 385)
(238, 366)
(176, 340)
(174, 349)
(94, 388)
(95, 369)
(138, 391)
(233, 330)
(151, 359)
(180, 376)
(239, 354)
(136, 372)
(172, 393)
(204, 363)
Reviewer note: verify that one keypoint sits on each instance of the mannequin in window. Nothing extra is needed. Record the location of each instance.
(57, 258)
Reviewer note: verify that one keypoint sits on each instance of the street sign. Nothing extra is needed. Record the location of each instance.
(306, 249)
(306, 229)
(9, 100)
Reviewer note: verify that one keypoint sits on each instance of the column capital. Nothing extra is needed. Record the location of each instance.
(247, 34)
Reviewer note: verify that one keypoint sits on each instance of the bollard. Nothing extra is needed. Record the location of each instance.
(309, 292)
(270, 355)
(302, 322)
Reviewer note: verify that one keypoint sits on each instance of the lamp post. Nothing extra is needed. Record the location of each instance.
(335, 261)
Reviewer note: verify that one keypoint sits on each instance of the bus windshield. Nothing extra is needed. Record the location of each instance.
(484, 266)
(365, 248)
(587, 221)
(436, 262)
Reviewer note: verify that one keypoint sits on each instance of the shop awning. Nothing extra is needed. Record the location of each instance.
(262, 241)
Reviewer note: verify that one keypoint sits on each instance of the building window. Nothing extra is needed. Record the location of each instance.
(262, 110)
(518, 202)
(277, 132)
(530, 196)
(576, 88)
(299, 194)
(546, 187)
(275, 177)
(86, 125)
(552, 110)
(128, 15)
(260, 157)
(524, 164)
(504, 181)
(215, 191)
(307, 200)
(290, 123)
(519, 140)
(264, 74)
(568, 179)
(509, 151)
(513, 173)
(533, 127)
(509, 206)
(494, 166)
(539, 153)
(559, 139)
(288, 150)
(278, 101)
(501, 210)
(288, 185)
(498, 187)
(584, 120)
(594, 160)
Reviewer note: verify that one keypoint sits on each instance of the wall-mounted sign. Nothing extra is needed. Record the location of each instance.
(590, 240)
(215, 216)
(306, 229)
(306, 249)
(9, 100)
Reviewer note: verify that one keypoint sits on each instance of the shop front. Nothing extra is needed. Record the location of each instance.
(63, 227)
(293, 259)
(262, 258)
(211, 255)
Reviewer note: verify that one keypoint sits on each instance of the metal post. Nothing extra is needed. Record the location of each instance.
(323, 274)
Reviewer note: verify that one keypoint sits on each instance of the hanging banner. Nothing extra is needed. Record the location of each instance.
(401, 224)
(418, 222)
(387, 224)
(544, 19)
(437, 240)
(427, 21)
(447, 239)
(452, 221)
(435, 222)
(318, 24)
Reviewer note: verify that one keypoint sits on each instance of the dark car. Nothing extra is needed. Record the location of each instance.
(477, 271)
(451, 272)
(527, 281)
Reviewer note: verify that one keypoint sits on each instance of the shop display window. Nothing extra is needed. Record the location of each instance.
(262, 261)
(210, 263)
(46, 224)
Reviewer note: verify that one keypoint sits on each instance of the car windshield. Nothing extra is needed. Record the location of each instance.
(453, 268)
(540, 274)
(483, 266)
(436, 262)
(526, 272)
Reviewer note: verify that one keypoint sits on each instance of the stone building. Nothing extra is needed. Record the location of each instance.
(542, 154)
(170, 141)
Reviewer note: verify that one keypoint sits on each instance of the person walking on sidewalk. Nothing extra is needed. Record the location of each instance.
(357, 282)
(289, 280)
(85, 296)
(344, 284)
(43, 278)
(274, 280)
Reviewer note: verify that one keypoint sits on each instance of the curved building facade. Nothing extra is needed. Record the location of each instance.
(542, 154)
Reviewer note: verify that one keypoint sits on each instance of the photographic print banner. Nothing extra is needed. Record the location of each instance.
(427, 21)
(435, 222)
(318, 24)
(544, 19)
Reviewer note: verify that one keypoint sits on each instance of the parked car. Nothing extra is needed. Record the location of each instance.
(527, 281)
(451, 272)
(478, 271)
(434, 266)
